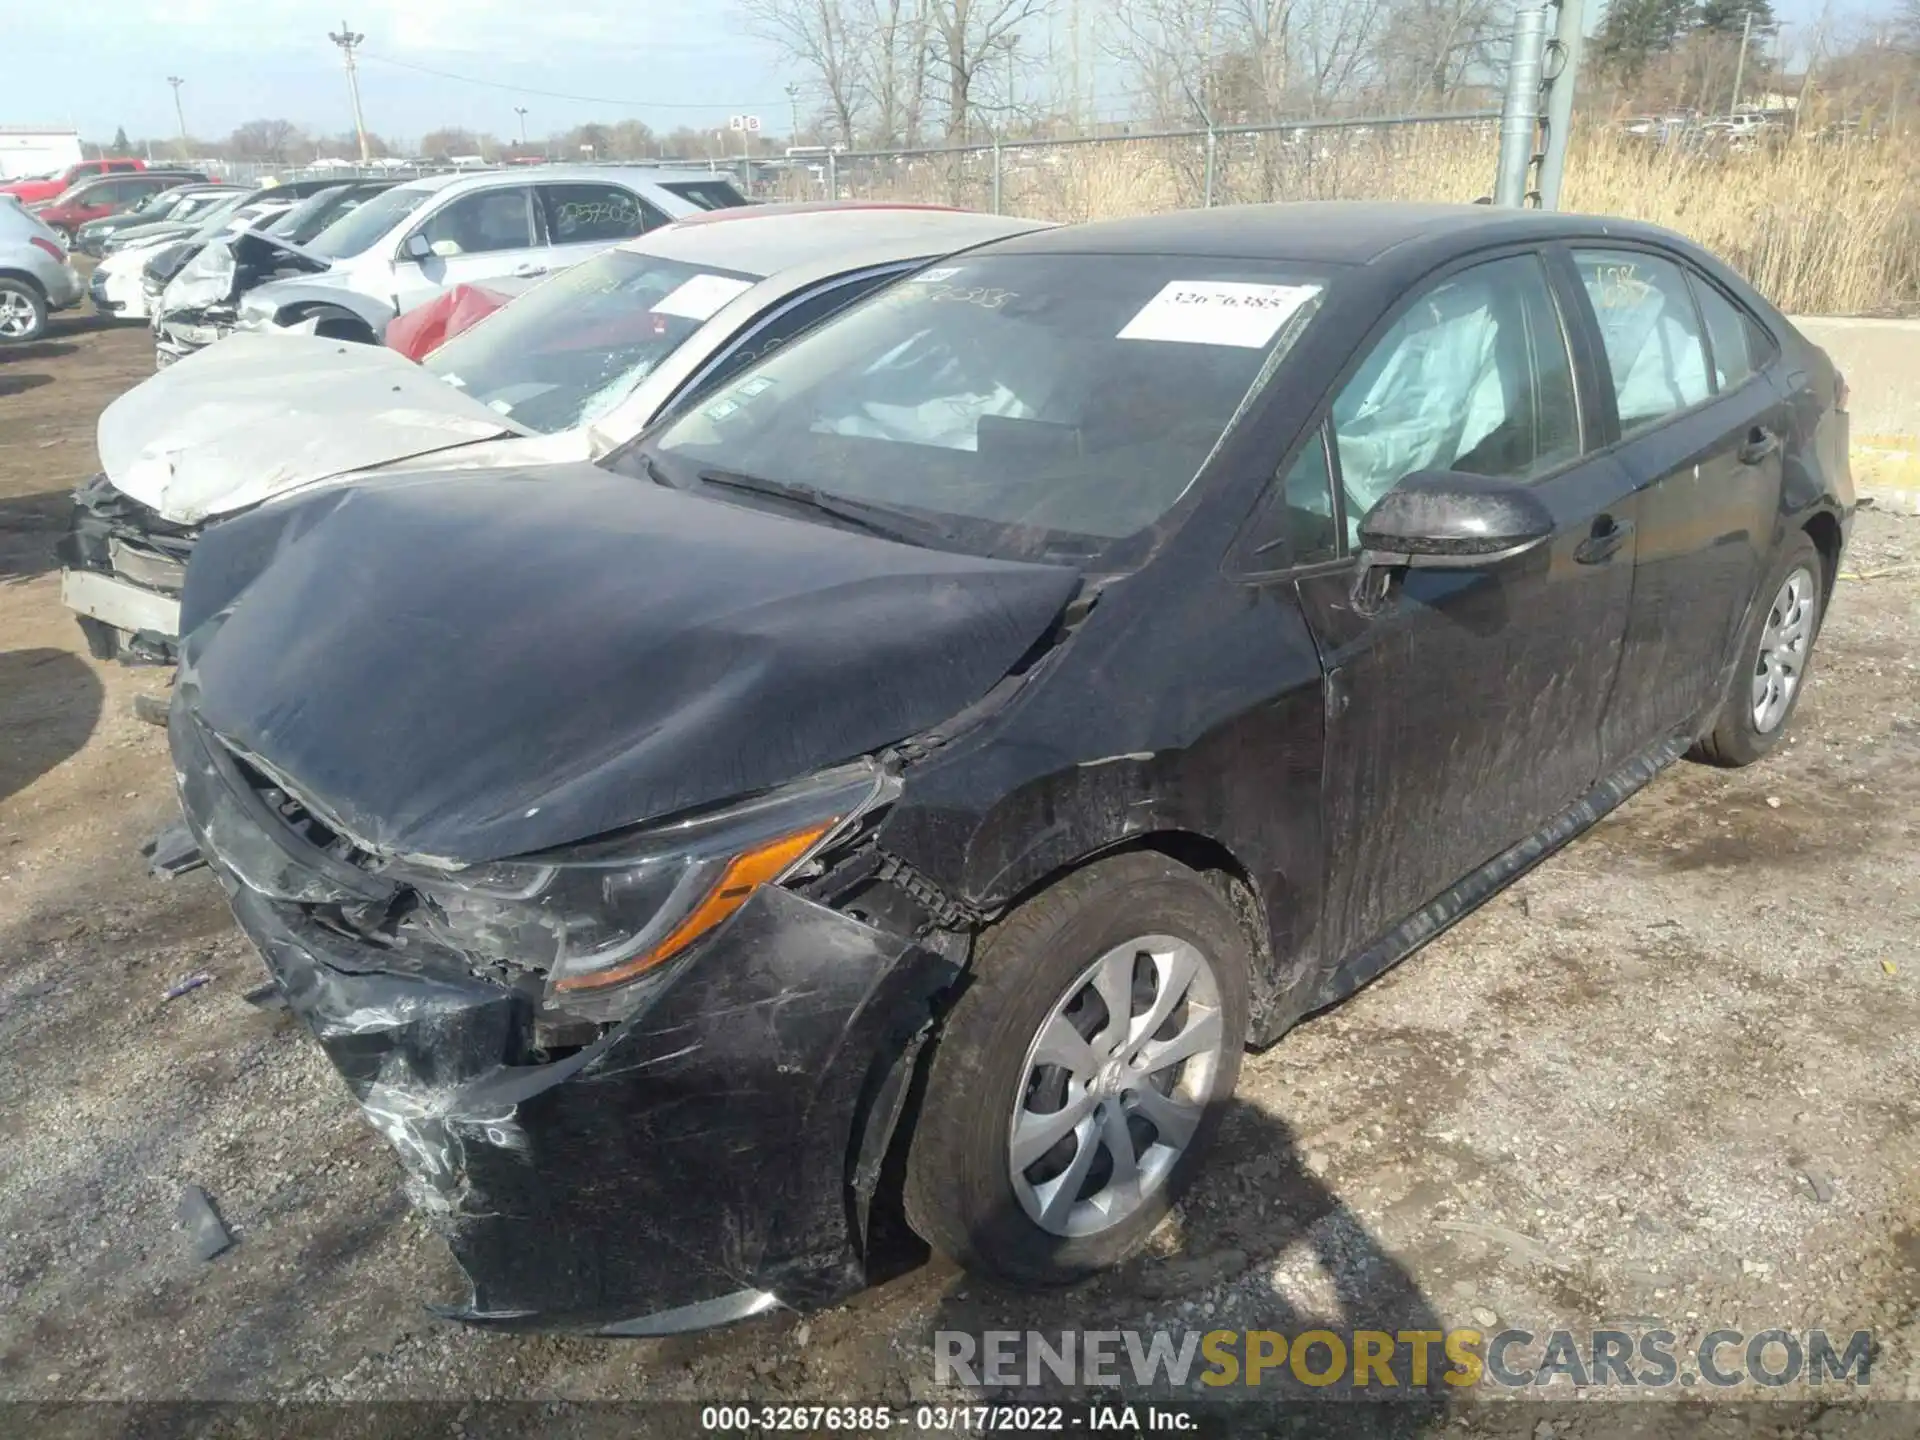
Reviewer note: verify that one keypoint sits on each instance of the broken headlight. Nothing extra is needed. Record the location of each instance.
(597, 918)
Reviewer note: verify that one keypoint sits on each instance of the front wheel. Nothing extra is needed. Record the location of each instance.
(1079, 1078)
(1775, 656)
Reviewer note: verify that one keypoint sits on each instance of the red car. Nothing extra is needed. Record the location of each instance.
(45, 187)
(107, 195)
(425, 328)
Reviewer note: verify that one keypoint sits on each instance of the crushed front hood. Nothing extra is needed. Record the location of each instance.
(477, 666)
(256, 247)
(256, 416)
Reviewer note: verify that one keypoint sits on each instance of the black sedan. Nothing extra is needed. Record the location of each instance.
(943, 750)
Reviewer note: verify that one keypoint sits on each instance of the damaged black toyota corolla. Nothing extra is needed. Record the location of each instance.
(907, 782)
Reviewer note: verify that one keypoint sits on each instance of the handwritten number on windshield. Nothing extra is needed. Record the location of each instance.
(985, 296)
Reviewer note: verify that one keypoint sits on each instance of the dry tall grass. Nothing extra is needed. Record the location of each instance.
(1827, 229)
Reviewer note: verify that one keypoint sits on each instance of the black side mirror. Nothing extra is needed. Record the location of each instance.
(1445, 519)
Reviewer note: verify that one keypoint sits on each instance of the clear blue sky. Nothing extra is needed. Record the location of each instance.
(98, 64)
(103, 63)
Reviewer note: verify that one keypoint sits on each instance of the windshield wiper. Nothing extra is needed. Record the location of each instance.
(876, 519)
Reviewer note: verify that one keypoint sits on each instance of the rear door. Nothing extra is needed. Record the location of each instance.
(473, 237)
(1700, 425)
(585, 217)
(1464, 711)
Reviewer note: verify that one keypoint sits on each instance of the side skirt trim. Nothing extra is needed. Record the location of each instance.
(1479, 886)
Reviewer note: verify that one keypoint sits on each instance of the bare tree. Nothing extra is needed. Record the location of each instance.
(1245, 61)
(828, 39)
(1430, 48)
(269, 140)
(896, 34)
(969, 39)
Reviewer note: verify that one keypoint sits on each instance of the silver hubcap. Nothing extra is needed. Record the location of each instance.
(1114, 1085)
(1784, 646)
(16, 314)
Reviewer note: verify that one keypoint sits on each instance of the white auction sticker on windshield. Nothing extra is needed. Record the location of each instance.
(701, 297)
(935, 275)
(1217, 312)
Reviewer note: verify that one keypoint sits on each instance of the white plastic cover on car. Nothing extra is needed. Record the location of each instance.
(257, 416)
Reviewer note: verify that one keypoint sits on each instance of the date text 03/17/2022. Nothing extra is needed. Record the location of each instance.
(950, 1419)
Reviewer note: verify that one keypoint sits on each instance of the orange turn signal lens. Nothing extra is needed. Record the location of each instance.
(744, 874)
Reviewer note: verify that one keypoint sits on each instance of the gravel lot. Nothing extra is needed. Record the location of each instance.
(1673, 1074)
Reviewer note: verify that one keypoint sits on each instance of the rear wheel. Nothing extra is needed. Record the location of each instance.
(1775, 656)
(1079, 1078)
(23, 311)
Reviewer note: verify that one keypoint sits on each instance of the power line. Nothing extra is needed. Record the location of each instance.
(563, 95)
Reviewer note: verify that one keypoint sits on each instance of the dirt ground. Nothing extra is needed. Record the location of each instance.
(1674, 1075)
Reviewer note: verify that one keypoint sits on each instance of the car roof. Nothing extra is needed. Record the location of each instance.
(763, 241)
(1321, 232)
(551, 174)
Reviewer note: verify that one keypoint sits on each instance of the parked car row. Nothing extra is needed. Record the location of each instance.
(36, 276)
(820, 715)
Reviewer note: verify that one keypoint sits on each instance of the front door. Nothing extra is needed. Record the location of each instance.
(475, 237)
(1701, 427)
(1464, 711)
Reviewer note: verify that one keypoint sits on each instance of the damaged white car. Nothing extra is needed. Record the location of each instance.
(573, 370)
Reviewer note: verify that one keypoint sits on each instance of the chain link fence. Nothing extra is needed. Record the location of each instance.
(1391, 157)
(1397, 157)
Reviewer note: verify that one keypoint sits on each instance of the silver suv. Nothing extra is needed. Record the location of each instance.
(403, 247)
(35, 275)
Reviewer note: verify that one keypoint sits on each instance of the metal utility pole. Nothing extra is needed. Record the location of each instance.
(1740, 64)
(1520, 115)
(521, 111)
(179, 114)
(1563, 69)
(347, 38)
(793, 104)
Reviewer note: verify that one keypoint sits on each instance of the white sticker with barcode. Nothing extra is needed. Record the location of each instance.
(701, 297)
(1217, 312)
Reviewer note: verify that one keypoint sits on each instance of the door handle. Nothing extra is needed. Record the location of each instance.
(1604, 543)
(1760, 443)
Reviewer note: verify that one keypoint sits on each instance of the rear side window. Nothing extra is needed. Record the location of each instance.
(580, 214)
(1651, 332)
(1474, 377)
(1740, 347)
(707, 194)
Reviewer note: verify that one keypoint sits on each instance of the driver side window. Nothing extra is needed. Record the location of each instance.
(477, 224)
(1474, 376)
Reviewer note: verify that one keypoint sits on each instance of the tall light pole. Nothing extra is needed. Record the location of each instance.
(1740, 65)
(521, 111)
(179, 114)
(347, 38)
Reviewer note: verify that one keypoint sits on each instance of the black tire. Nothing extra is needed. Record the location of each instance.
(339, 325)
(959, 1189)
(1735, 740)
(13, 293)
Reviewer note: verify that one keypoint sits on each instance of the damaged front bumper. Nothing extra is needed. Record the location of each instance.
(123, 569)
(710, 1156)
(180, 333)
